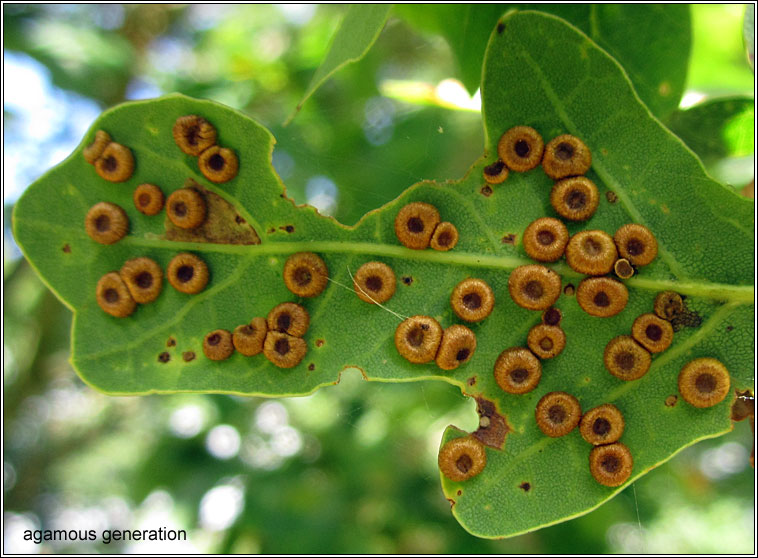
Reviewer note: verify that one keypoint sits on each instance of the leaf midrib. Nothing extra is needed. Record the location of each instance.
(741, 294)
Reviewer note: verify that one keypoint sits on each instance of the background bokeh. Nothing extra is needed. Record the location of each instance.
(351, 468)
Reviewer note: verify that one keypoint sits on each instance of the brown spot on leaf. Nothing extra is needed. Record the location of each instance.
(311, 367)
(671, 400)
(509, 238)
(164, 357)
(569, 290)
(319, 342)
(743, 406)
(552, 316)
(452, 502)
(493, 427)
(171, 342)
(749, 189)
(611, 197)
(685, 318)
(525, 486)
(188, 356)
(486, 191)
(222, 224)
(459, 492)
(66, 248)
(407, 280)
(287, 228)
(729, 328)
(500, 28)
(471, 381)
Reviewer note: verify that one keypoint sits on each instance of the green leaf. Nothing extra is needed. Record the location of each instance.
(357, 32)
(722, 133)
(704, 232)
(717, 128)
(652, 42)
(748, 33)
(466, 28)
(716, 67)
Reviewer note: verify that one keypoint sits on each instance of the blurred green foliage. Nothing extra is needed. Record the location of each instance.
(352, 468)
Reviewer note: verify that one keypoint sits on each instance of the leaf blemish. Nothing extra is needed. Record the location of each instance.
(171, 342)
(116, 164)
(486, 191)
(552, 316)
(220, 225)
(290, 318)
(374, 282)
(148, 199)
(218, 164)
(496, 173)
(509, 238)
(493, 428)
(415, 224)
(164, 357)
(521, 148)
(671, 400)
(305, 274)
(686, 318)
(444, 237)
(566, 155)
(248, 339)
(188, 356)
(408, 280)
(186, 208)
(94, 150)
(319, 342)
(517, 370)
(143, 278)
(106, 223)
(193, 134)
(743, 406)
(557, 413)
(217, 345)
(525, 486)
(66, 249)
(462, 458)
(113, 296)
(187, 273)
